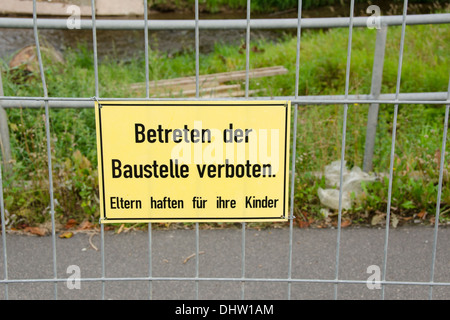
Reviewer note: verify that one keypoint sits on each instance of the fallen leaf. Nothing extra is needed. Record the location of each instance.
(376, 219)
(85, 225)
(394, 220)
(66, 235)
(303, 224)
(432, 220)
(422, 214)
(346, 223)
(70, 224)
(35, 230)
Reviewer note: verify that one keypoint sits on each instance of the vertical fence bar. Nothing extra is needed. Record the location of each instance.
(49, 152)
(375, 90)
(3, 221)
(2, 206)
(4, 132)
(147, 95)
(294, 145)
(247, 49)
(197, 52)
(438, 201)
(197, 258)
(247, 67)
(243, 262)
(344, 133)
(197, 94)
(147, 69)
(94, 45)
(102, 250)
(150, 263)
(394, 133)
(4, 138)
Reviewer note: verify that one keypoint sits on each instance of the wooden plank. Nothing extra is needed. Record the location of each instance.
(204, 80)
(240, 93)
(228, 94)
(240, 75)
(185, 87)
(223, 89)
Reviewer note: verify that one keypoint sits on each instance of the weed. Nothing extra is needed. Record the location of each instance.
(419, 130)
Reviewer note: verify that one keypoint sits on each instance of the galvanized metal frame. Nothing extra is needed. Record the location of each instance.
(291, 23)
(299, 23)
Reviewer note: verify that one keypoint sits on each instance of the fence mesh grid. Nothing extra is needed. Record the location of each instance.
(345, 100)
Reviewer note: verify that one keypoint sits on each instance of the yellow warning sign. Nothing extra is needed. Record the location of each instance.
(193, 161)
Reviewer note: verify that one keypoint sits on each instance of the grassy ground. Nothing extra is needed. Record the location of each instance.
(426, 67)
(268, 6)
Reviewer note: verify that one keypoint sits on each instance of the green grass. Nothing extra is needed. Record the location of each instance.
(426, 67)
(270, 6)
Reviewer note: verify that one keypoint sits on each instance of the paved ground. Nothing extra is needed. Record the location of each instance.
(314, 254)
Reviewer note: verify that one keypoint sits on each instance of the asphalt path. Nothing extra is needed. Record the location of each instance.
(126, 255)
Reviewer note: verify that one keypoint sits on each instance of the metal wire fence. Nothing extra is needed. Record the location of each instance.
(436, 98)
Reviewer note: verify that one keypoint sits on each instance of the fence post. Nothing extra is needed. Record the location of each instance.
(4, 132)
(372, 119)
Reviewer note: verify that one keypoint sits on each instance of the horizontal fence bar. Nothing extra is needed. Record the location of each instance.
(67, 102)
(306, 23)
(329, 281)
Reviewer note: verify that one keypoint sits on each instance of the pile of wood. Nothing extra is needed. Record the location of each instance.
(214, 85)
